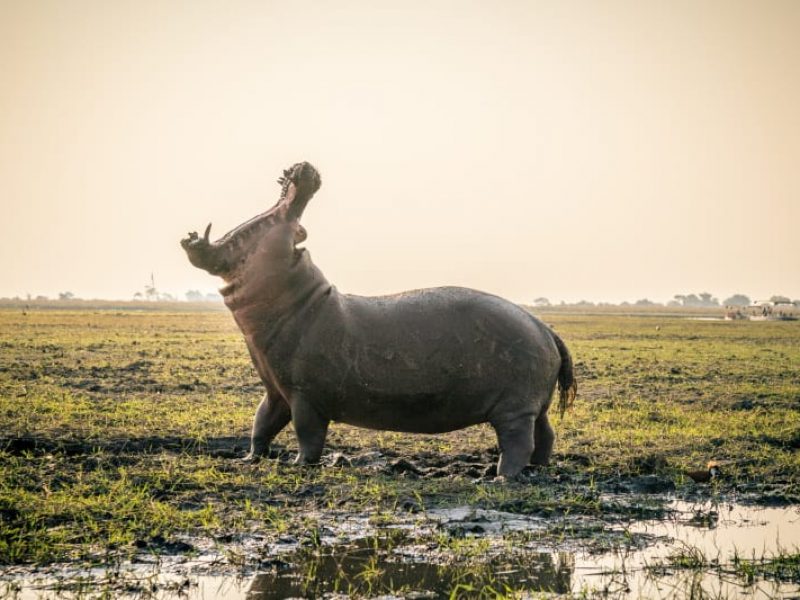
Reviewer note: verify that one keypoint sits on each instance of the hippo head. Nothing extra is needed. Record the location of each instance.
(264, 241)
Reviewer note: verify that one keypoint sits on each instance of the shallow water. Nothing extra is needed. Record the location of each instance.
(478, 550)
(718, 532)
(709, 319)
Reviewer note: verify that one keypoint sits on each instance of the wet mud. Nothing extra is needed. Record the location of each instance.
(120, 475)
(426, 547)
(704, 549)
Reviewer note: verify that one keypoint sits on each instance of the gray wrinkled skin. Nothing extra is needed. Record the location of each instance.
(425, 361)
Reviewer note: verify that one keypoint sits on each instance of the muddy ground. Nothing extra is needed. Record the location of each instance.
(119, 471)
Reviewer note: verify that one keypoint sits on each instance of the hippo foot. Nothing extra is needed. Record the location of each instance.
(520, 477)
(503, 479)
(252, 457)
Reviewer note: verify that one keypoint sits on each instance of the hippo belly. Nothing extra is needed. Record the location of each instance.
(424, 413)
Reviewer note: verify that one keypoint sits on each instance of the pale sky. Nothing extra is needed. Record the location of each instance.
(601, 150)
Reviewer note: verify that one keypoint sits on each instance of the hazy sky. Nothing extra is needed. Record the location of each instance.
(601, 150)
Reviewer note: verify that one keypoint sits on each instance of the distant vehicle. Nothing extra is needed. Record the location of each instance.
(768, 311)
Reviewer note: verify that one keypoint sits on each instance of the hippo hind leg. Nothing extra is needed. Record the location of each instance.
(515, 437)
(543, 436)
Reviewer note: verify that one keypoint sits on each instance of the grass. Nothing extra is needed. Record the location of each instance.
(783, 566)
(119, 430)
(688, 391)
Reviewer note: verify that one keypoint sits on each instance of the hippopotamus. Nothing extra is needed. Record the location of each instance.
(423, 361)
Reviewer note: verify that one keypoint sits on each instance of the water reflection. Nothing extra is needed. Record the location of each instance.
(370, 566)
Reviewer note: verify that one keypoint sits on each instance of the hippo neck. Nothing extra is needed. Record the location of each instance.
(266, 305)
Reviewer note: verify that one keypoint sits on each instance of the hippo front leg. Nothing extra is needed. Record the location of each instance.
(272, 415)
(311, 429)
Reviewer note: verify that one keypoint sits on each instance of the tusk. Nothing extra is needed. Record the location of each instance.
(208, 231)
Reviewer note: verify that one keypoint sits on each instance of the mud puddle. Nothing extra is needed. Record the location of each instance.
(700, 550)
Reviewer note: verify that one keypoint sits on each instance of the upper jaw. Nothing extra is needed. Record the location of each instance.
(203, 254)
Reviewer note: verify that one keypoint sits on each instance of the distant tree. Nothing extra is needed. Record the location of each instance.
(194, 296)
(780, 300)
(673, 303)
(542, 301)
(138, 296)
(737, 300)
(646, 302)
(707, 299)
(213, 297)
(691, 300)
(66, 296)
(42, 298)
(704, 299)
(150, 291)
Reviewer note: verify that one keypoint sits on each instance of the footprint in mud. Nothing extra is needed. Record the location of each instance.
(471, 470)
(477, 466)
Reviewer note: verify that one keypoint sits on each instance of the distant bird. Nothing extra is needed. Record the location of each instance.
(704, 476)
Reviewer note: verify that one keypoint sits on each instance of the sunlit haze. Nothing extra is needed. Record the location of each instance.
(605, 151)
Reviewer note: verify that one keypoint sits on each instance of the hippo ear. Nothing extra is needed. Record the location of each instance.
(299, 183)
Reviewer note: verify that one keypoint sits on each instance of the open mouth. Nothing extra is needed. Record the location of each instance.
(298, 185)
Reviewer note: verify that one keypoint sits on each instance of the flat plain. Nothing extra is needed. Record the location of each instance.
(120, 432)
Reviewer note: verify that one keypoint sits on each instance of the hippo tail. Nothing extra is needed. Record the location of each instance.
(567, 386)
